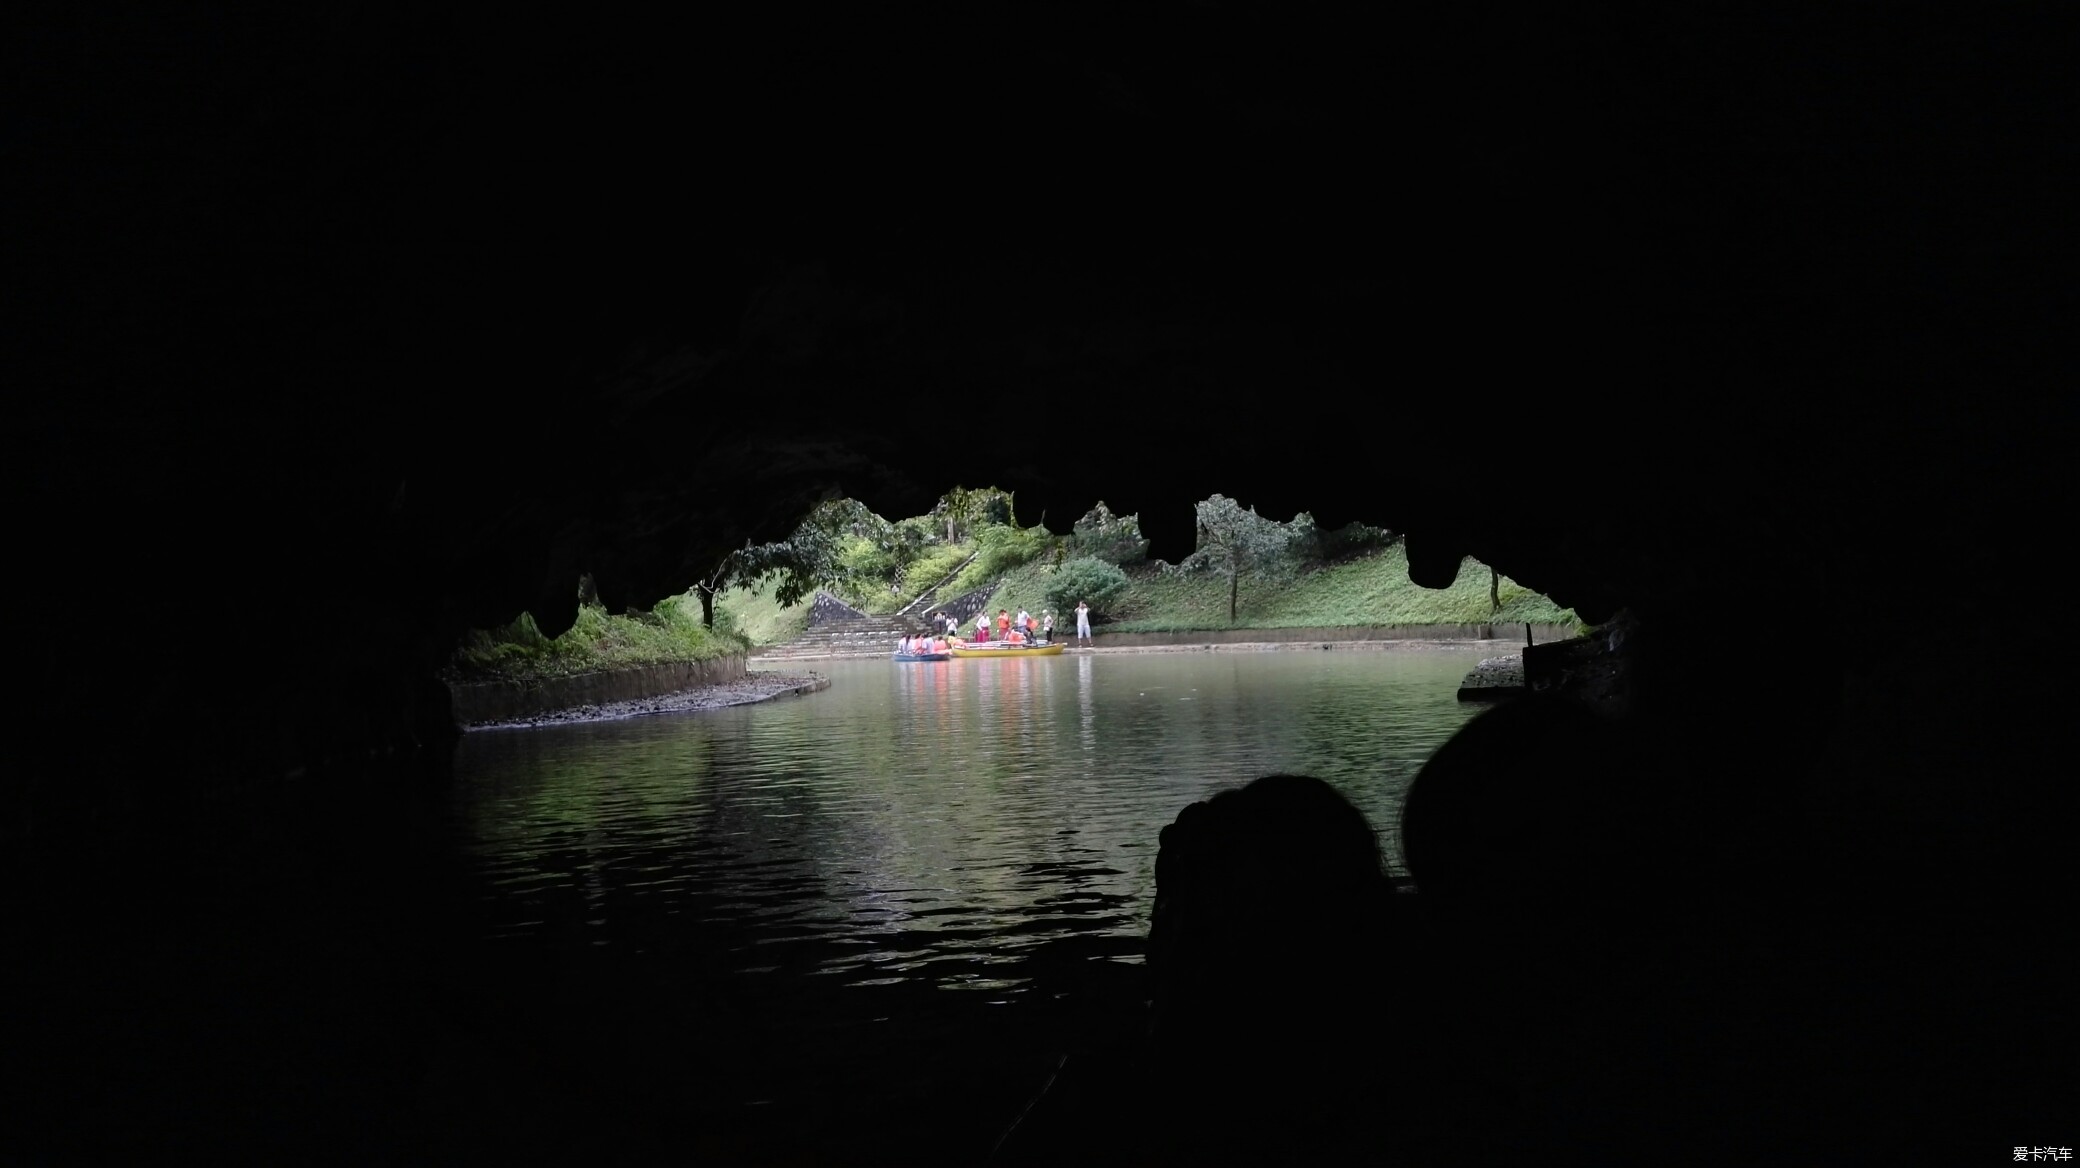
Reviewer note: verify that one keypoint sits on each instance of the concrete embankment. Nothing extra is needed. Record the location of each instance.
(496, 702)
(1343, 636)
(1493, 679)
(1592, 669)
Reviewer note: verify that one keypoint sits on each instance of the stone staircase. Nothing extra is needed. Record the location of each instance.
(841, 630)
(928, 599)
(867, 636)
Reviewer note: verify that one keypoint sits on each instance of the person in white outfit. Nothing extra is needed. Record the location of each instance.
(1083, 623)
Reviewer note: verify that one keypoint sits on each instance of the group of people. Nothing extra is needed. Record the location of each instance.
(1023, 629)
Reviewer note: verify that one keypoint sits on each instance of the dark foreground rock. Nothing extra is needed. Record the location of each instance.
(1493, 679)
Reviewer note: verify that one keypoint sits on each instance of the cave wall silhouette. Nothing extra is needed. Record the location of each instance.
(349, 332)
(359, 332)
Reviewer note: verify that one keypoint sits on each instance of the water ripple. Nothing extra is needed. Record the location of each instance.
(975, 829)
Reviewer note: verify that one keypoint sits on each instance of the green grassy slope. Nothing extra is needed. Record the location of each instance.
(1368, 591)
(670, 633)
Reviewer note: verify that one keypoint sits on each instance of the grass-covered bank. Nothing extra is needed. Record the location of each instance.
(757, 616)
(1368, 590)
(669, 633)
(1248, 572)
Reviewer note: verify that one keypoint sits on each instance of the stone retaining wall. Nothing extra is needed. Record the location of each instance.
(509, 701)
(1470, 632)
(825, 609)
(967, 604)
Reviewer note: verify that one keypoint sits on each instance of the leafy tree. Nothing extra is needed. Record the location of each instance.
(996, 508)
(1000, 549)
(907, 539)
(1235, 541)
(959, 509)
(1352, 539)
(1306, 536)
(802, 562)
(850, 516)
(902, 542)
(1105, 536)
(1087, 579)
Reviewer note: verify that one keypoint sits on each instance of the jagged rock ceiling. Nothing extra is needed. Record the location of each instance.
(408, 320)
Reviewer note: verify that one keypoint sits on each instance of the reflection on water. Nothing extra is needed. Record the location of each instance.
(959, 825)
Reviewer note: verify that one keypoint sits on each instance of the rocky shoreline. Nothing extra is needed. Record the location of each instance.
(1413, 643)
(742, 691)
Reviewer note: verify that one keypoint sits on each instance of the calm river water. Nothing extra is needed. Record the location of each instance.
(846, 896)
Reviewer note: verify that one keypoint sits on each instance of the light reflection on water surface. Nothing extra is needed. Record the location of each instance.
(958, 825)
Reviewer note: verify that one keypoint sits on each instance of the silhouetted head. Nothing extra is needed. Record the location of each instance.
(1267, 899)
(1276, 992)
(1540, 812)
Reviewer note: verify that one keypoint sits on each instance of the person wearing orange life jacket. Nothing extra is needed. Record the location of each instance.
(1003, 624)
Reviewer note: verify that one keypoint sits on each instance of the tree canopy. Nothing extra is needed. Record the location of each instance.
(1236, 541)
(1116, 539)
(805, 560)
(1087, 579)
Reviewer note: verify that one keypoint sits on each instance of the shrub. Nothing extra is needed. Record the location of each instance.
(595, 640)
(1087, 579)
(861, 558)
(932, 566)
(998, 550)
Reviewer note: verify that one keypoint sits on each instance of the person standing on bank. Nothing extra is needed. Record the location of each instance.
(1083, 622)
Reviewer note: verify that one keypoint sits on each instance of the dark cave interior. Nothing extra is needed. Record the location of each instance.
(353, 330)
